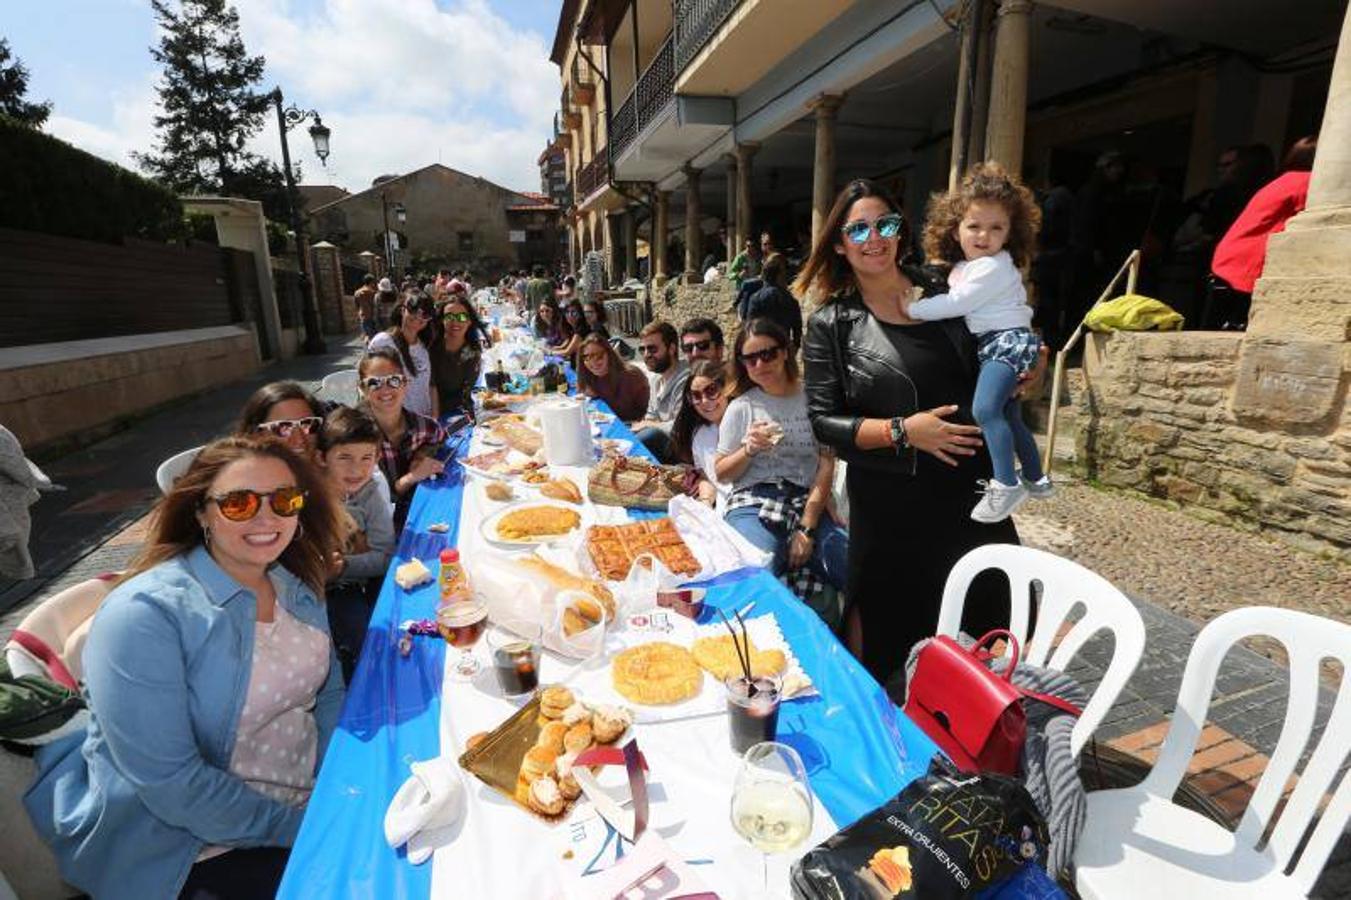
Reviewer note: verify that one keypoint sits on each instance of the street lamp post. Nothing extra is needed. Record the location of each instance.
(400, 216)
(288, 118)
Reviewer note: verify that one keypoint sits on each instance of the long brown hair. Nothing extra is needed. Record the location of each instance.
(174, 529)
(687, 418)
(269, 395)
(987, 183)
(826, 272)
(587, 381)
(761, 327)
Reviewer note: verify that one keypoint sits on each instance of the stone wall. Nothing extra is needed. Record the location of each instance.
(1167, 414)
(676, 303)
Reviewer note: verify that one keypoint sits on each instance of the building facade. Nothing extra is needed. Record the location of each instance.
(725, 118)
(449, 219)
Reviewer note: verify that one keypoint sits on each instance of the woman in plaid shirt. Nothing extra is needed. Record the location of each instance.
(407, 440)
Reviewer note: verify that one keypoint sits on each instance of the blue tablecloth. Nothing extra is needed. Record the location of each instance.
(859, 749)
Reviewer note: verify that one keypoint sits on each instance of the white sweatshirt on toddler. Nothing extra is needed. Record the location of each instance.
(988, 292)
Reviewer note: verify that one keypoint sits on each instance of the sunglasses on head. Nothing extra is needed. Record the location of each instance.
(375, 382)
(887, 227)
(282, 428)
(460, 317)
(244, 504)
(760, 357)
(707, 395)
(697, 346)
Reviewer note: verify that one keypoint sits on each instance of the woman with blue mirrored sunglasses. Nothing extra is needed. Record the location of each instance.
(887, 228)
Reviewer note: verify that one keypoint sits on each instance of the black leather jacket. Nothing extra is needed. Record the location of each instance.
(853, 372)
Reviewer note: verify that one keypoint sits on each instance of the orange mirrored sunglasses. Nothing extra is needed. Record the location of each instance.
(244, 504)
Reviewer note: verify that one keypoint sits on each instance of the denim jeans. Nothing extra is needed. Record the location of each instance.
(1000, 417)
(830, 551)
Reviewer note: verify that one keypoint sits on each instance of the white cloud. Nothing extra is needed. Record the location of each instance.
(402, 84)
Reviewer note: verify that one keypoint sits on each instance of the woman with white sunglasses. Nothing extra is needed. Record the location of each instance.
(284, 410)
(407, 440)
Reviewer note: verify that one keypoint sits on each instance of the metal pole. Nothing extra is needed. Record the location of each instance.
(314, 342)
(389, 255)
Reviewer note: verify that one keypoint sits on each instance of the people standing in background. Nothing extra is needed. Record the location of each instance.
(1241, 254)
(538, 289)
(1053, 266)
(773, 301)
(658, 344)
(364, 300)
(385, 298)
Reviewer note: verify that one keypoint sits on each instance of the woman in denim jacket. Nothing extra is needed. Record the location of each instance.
(213, 690)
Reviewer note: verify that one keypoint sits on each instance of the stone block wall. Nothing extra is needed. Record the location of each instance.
(676, 303)
(1172, 415)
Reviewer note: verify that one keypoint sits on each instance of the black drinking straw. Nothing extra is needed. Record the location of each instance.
(741, 655)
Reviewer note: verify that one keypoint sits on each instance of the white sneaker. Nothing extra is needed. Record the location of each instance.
(999, 502)
(1039, 490)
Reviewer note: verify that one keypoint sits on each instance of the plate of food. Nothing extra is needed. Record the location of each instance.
(506, 465)
(531, 523)
(614, 548)
(602, 419)
(614, 446)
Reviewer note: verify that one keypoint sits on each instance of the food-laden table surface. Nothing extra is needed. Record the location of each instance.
(858, 748)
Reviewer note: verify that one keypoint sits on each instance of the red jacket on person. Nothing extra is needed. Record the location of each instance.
(1242, 251)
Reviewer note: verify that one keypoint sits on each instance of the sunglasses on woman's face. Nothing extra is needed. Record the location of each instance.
(887, 227)
(759, 357)
(459, 317)
(709, 394)
(376, 382)
(244, 504)
(594, 357)
(282, 428)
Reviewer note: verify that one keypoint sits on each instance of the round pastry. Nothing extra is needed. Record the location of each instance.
(610, 722)
(719, 656)
(567, 784)
(576, 714)
(656, 673)
(538, 762)
(551, 736)
(545, 797)
(578, 738)
(475, 739)
(553, 701)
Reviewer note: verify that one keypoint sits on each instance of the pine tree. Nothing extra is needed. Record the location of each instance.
(210, 107)
(13, 87)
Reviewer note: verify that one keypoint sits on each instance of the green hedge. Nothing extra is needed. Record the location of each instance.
(50, 187)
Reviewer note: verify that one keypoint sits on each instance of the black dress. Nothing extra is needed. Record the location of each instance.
(907, 532)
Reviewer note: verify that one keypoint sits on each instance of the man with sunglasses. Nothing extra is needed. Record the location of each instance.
(701, 338)
(668, 373)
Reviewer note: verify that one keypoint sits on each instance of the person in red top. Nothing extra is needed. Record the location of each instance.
(1242, 252)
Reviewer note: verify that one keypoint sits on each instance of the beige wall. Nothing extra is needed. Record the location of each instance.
(51, 392)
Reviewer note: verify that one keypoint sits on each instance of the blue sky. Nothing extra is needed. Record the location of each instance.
(402, 83)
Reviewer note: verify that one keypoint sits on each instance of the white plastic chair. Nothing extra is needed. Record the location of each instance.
(1136, 841)
(173, 467)
(340, 387)
(1065, 585)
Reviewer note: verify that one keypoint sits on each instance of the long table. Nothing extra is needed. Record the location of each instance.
(859, 749)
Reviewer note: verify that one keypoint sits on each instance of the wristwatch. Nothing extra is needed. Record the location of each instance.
(809, 532)
(898, 437)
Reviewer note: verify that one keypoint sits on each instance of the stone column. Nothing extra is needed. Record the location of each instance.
(744, 220)
(1330, 185)
(961, 113)
(823, 166)
(980, 100)
(630, 222)
(1008, 86)
(611, 249)
(661, 218)
(693, 237)
(326, 266)
(729, 221)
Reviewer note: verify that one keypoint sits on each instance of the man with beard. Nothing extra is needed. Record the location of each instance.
(667, 373)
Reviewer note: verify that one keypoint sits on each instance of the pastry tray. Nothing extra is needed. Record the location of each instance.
(496, 761)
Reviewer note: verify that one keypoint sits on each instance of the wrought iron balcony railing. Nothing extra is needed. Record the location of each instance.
(646, 102)
(696, 21)
(593, 175)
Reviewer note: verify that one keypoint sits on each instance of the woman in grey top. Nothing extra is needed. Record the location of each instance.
(780, 476)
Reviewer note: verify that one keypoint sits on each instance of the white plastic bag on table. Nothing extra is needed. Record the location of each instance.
(513, 593)
(714, 543)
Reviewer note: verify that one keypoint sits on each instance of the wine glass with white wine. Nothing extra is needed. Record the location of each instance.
(772, 802)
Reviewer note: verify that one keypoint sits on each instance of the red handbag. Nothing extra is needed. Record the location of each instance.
(971, 713)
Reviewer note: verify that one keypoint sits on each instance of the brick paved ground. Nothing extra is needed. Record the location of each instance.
(1179, 571)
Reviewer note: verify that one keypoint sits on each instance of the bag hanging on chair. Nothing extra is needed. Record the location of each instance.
(974, 715)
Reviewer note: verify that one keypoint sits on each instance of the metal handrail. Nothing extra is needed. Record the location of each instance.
(696, 22)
